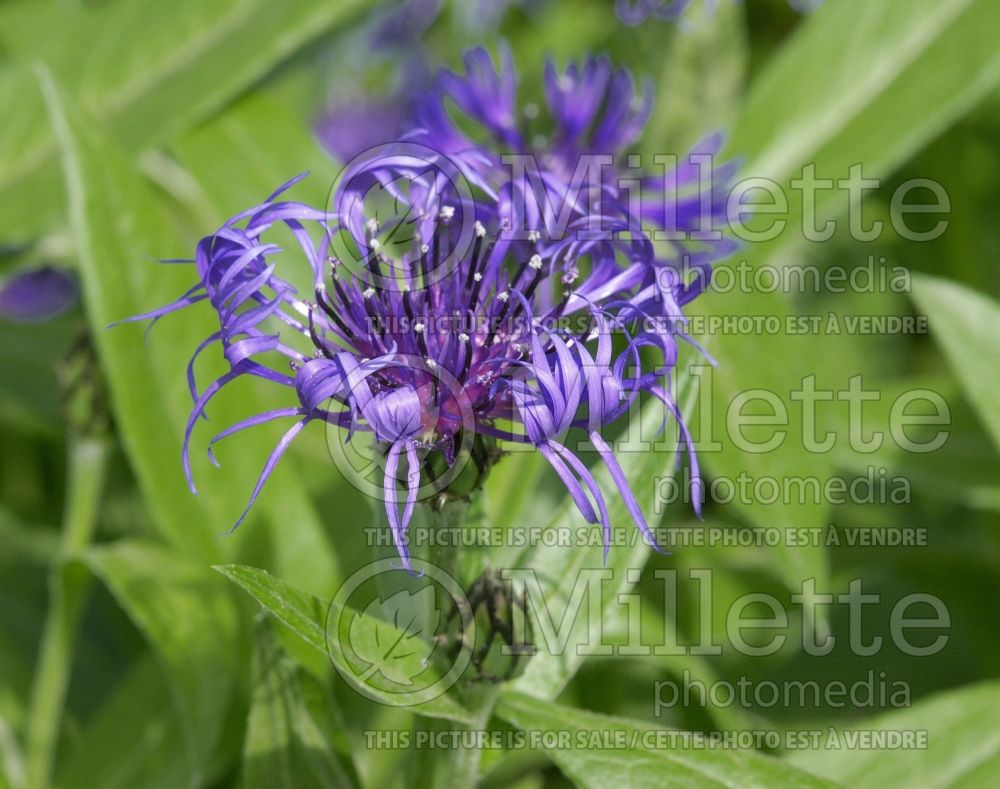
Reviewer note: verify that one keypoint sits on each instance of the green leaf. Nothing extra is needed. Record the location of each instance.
(963, 745)
(562, 573)
(626, 758)
(285, 748)
(253, 147)
(134, 739)
(11, 758)
(967, 326)
(148, 70)
(118, 227)
(899, 71)
(191, 622)
(307, 616)
(701, 81)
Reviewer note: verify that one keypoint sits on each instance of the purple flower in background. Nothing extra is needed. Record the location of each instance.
(354, 126)
(37, 294)
(635, 12)
(572, 161)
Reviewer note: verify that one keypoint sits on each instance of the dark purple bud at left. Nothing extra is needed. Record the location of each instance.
(37, 294)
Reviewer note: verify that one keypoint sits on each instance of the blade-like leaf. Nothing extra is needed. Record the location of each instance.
(963, 745)
(284, 748)
(119, 227)
(560, 569)
(306, 616)
(605, 751)
(967, 325)
(148, 70)
(134, 739)
(894, 74)
(191, 622)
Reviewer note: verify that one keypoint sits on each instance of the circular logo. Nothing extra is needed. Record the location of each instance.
(391, 642)
(391, 201)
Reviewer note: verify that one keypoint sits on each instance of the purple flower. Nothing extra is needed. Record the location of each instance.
(464, 336)
(635, 12)
(354, 126)
(37, 294)
(552, 168)
(448, 310)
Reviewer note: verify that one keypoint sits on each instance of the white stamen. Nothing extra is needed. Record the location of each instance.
(431, 363)
(477, 277)
(418, 327)
(535, 262)
(447, 212)
(376, 244)
(479, 230)
(463, 337)
(424, 249)
(533, 236)
(503, 295)
(368, 292)
(372, 225)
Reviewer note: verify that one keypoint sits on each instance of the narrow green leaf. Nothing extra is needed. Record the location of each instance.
(899, 71)
(11, 759)
(563, 573)
(285, 748)
(135, 739)
(606, 751)
(903, 71)
(148, 70)
(701, 81)
(967, 325)
(119, 227)
(962, 728)
(191, 622)
(307, 615)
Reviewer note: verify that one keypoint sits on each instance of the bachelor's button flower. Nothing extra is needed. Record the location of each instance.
(463, 336)
(593, 116)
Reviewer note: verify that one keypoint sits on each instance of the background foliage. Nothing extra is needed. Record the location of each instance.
(133, 128)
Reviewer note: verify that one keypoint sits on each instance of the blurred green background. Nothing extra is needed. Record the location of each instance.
(131, 129)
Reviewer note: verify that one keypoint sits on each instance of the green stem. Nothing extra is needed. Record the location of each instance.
(68, 587)
(458, 766)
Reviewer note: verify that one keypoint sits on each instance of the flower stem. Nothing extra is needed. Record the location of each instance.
(68, 588)
(456, 766)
